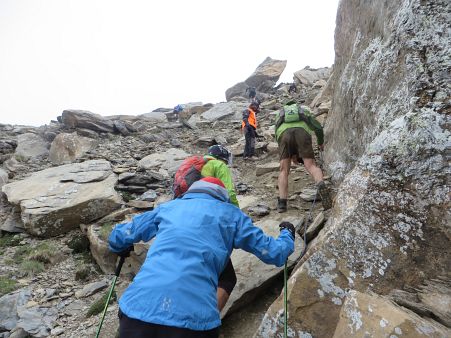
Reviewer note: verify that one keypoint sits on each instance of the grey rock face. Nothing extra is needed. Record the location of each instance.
(8, 308)
(56, 200)
(86, 119)
(251, 272)
(387, 138)
(310, 76)
(91, 289)
(30, 145)
(371, 313)
(237, 90)
(3, 177)
(224, 110)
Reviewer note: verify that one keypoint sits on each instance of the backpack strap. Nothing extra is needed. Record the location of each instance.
(302, 115)
(280, 119)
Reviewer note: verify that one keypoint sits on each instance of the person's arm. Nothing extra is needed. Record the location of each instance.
(141, 228)
(317, 128)
(268, 249)
(223, 173)
(246, 117)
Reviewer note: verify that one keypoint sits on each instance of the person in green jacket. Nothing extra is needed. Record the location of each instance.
(217, 166)
(295, 126)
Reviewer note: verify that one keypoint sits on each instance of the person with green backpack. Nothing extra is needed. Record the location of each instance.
(295, 125)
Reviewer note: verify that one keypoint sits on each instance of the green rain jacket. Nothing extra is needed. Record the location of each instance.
(219, 169)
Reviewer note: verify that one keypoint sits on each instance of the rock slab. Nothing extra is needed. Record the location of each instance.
(56, 200)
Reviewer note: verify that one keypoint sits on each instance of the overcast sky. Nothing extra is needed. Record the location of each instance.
(130, 57)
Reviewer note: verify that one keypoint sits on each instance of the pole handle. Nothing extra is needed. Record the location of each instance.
(119, 266)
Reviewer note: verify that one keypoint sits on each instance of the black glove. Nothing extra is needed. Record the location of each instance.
(289, 227)
(125, 253)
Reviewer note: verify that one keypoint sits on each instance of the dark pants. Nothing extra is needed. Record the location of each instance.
(227, 279)
(249, 147)
(133, 328)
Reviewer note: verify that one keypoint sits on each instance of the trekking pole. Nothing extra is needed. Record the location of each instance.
(285, 301)
(113, 284)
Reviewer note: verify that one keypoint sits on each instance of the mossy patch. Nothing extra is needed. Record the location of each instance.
(105, 231)
(78, 244)
(9, 240)
(126, 196)
(7, 285)
(82, 272)
(99, 304)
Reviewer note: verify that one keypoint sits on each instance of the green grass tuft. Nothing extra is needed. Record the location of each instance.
(32, 259)
(7, 285)
(31, 268)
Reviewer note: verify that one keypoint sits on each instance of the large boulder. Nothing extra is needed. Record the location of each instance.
(310, 76)
(238, 90)
(224, 110)
(30, 145)
(263, 79)
(386, 143)
(86, 119)
(68, 147)
(56, 200)
(167, 161)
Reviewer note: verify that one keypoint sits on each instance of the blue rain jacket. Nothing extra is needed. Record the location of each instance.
(195, 235)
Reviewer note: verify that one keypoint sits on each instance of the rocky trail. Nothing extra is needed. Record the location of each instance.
(70, 271)
(377, 263)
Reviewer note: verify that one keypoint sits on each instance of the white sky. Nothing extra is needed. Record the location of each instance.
(130, 57)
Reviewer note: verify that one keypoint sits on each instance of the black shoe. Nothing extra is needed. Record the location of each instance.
(324, 193)
(281, 204)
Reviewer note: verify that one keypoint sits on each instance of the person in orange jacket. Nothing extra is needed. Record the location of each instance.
(249, 127)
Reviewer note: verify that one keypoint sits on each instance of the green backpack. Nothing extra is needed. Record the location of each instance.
(293, 113)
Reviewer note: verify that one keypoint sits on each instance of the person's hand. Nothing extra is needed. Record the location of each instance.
(321, 147)
(125, 253)
(289, 227)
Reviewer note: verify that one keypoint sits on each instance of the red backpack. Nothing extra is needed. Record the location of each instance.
(188, 173)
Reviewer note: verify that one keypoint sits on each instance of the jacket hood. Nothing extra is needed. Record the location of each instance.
(211, 189)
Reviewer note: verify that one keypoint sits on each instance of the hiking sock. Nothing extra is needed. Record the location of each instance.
(324, 193)
(281, 204)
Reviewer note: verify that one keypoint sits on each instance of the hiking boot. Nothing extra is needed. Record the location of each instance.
(281, 204)
(324, 193)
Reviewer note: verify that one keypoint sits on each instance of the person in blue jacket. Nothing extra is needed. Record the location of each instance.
(174, 293)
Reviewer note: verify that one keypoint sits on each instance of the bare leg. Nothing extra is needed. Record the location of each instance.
(310, 166)
(222, 297)
(284, 170)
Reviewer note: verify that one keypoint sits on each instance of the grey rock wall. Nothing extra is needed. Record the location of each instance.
(387, 144)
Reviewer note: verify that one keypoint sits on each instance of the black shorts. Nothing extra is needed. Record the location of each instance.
(295, 142)
(227, 279)
(134, 328)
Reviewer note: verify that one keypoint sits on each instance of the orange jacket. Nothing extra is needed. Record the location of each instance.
(251, 118)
